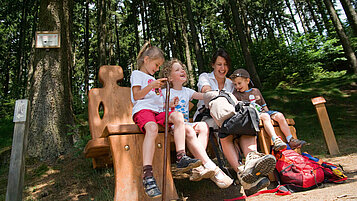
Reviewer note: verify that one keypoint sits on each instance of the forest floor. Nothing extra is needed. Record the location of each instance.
(71, 176)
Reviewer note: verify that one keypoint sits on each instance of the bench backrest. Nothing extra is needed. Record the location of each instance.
(114, 99)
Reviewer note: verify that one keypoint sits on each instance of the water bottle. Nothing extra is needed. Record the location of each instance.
(252, 102)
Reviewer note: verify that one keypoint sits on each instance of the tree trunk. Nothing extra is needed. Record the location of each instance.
(292, 16)
(50, 92)
(350, 55)
(299, 14)
(316, 21)
(324, 16)
(190, 69)
(102, 37)
(351, 14)
(86, 51)
(247, 56)
(194, 35)
(141, 7)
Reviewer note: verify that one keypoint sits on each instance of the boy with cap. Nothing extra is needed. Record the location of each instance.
(243, 92)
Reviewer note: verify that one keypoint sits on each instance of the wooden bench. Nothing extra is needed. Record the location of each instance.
(265, 141)
(117, 140)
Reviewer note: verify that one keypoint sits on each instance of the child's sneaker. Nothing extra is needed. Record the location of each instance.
(151, 188)
(296, 143)
(279, 144)
(186, 163)
(201, 172)
(257, 165)
(222, 181)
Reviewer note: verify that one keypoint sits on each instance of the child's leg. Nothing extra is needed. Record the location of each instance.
(268, 126)
(195, 146)
(177, 119)
(151, 132)
(183, 162)
(203, 133)
(230, 152)
(284, 127)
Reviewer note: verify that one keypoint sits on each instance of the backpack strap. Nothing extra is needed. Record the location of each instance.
(279, 190)
(224, 94)
(253, 113)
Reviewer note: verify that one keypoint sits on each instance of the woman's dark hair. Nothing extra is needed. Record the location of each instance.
(221, 53)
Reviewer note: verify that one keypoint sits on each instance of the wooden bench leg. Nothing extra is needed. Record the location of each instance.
(127, 161)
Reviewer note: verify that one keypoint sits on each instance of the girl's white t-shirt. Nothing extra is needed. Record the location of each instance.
(185, 96)
(151, 101)
(208, 79)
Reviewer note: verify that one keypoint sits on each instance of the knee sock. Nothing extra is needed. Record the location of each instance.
(147, 170)
(288, 138)
(180, 154)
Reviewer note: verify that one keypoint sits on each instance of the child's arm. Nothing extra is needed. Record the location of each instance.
(139, 93)
(197, 96)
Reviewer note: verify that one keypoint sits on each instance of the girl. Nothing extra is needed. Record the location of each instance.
(175, 72)
(147, 100)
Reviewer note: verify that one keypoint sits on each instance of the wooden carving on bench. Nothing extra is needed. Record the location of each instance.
(116, 139)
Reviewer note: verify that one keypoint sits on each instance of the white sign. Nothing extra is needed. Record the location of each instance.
(47, 39)
(20, 110)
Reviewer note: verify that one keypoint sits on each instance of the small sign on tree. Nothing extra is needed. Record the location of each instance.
(48, 39)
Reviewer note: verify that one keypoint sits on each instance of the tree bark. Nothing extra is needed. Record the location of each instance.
(86, 50)
(247, 56)
(300, 17)
(190, 69)
(350, 55)
(50, 91)
(194, 35)
(292, 16)
(351, 14)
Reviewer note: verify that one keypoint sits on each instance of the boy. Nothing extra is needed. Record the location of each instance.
(241, 81)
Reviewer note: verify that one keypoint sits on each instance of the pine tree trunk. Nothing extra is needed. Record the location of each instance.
(187, 52)
(86, 50)
(351, 14)
(169, 27)
(292, 16)
(194, 35)
(324, 16)
(247, 56)
(299, 14)
(350, 55)
(50, 92)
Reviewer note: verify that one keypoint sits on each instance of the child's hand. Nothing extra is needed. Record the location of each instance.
(174, 102)
(158, 83)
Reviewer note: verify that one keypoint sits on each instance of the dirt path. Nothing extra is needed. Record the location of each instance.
(345, 191)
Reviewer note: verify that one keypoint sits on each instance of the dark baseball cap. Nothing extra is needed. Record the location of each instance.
(240, 73)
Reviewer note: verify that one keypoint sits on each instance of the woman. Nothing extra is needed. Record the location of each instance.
(252, 175)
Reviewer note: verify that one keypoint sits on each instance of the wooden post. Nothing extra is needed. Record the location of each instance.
(319, 103)
(17, 159)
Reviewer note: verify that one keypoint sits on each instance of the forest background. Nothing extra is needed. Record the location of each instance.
(285, 45)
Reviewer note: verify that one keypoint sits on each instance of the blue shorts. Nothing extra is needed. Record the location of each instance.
(271, 112)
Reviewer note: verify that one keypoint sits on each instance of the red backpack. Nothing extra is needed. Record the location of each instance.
(296, 172)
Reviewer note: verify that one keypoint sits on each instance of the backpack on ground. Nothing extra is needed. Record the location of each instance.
(332, 173)
(296, 172)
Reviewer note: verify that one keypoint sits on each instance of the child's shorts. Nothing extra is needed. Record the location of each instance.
(144, 116)
(271, 112)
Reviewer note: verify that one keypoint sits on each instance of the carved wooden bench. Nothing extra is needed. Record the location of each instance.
(117, 140)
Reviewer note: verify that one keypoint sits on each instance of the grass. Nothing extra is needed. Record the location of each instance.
(71, 177)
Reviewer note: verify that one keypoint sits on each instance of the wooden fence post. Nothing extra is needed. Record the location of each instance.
(17, 160)
(319, 103)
